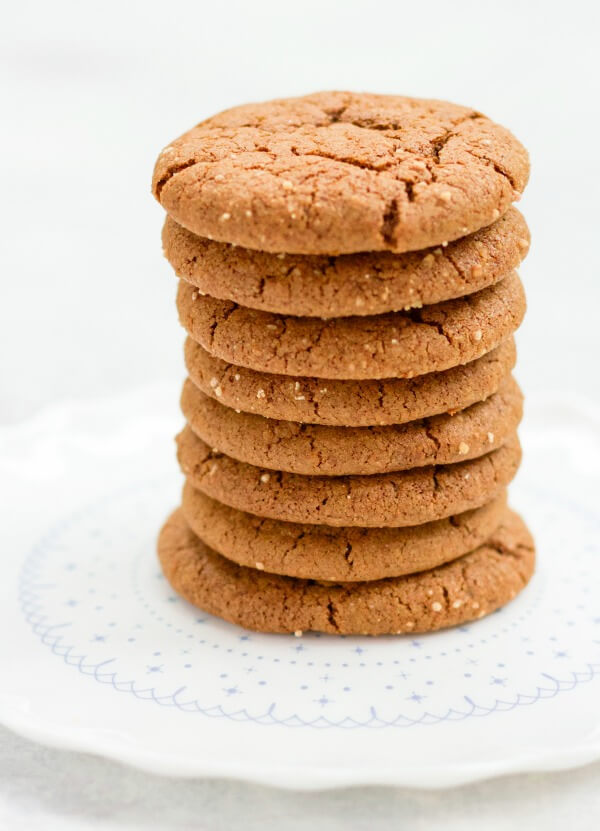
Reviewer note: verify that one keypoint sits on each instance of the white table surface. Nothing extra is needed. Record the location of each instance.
(86, 300)
(43, 789)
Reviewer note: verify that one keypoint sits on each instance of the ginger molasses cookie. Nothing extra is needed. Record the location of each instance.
(396, 345)
(465, 589)
(408, 497)
(354, 284)
(315, 449)
(349, 403)
(339, 172)
(318, 552)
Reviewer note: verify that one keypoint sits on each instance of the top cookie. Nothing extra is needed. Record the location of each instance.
(340, 172)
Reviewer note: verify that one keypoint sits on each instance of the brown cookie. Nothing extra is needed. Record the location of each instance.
(338, 451)
(463, 590)
(408, 497)
(318, 552)
(339, 172)
(349, 403)
(396, 345)
(354, 284)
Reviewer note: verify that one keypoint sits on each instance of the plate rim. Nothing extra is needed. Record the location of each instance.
(299, 777)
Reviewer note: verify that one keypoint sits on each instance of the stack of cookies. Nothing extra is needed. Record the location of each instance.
(348, 286)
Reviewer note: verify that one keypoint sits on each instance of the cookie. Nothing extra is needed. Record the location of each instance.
(349, 403)
(408, 497)
(340, 172)
(353, 284)
(465, 589)
(338, 451)
(396, 345)
(318, 552)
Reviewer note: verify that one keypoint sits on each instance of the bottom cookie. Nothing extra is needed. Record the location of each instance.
(463, 590)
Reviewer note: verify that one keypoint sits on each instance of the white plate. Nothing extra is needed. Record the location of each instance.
(98, 654)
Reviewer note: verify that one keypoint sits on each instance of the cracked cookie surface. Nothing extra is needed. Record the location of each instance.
(354, 284)
(395, 345)
(465, 589)
(349, 403)
(337, 451)
(408, 497)
(317, 552)
(341, 172)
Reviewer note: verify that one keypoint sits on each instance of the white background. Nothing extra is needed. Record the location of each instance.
(90, 93)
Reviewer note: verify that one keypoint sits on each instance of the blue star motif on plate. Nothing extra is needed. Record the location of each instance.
(99, 638)
(231, 690)
(416, 697)
(500, 682)
(322, 701)
(155, 668)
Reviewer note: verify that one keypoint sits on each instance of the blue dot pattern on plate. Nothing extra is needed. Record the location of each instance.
(92, 591)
